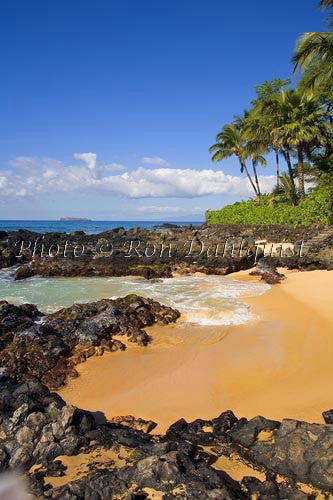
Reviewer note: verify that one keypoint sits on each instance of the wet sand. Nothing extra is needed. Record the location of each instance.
(278, 364)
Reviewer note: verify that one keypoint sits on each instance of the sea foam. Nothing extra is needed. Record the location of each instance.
(206, 300)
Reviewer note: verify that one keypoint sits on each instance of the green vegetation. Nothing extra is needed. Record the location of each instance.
(314, 54)
(296, 124)
(314, 210)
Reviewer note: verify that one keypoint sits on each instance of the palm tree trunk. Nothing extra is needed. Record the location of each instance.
(300, 170)
(256, 178)
(249, 177)
(277, 160)
(286, 155)
(288, 161)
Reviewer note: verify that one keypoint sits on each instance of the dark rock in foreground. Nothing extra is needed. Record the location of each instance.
(48, 349)
(298, 451)
(16, 318)
(37, 427)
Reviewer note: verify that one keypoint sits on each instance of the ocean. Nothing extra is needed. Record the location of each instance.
(89, 227)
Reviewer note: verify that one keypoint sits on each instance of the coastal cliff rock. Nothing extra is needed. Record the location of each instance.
(38, 430)
(48, 348)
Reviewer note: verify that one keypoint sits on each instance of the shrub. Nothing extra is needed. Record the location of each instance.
(316, 209)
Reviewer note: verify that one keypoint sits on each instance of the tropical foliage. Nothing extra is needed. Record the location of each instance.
(314, 53)
(267, 210)
(296, 125)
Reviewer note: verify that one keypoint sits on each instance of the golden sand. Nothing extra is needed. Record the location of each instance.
(236, 468)
(277, 365)
(79, 465)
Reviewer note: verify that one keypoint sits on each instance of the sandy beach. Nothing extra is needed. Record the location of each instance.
(279, 364)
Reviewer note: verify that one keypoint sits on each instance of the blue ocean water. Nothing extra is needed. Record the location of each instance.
(89, 227)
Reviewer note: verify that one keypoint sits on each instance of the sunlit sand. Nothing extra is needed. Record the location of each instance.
(278, 364)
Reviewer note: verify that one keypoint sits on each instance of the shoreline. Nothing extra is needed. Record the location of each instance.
(198, 372)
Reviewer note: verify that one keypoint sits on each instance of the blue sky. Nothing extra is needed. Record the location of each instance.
(145, 86)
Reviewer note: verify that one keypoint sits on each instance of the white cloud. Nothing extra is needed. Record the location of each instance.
(47, 175)
(33, 165)
(154, 160)
(88, 158)
(114, 167)
(179, 183)
(21, 192)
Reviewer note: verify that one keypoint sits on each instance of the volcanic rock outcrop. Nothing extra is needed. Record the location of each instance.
(116, 460)
(47, 347)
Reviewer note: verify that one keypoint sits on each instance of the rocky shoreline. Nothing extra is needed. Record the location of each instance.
(47, 347)
(123, 460)
(219, 250)
(37, 427)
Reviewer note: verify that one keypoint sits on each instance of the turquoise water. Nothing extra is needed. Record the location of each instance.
(207, 300)
(89, 227)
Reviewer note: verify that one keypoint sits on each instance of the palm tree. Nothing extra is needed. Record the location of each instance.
(285, 191)
(256, 145)
(314, 54)
(264, 117)
(254, 150)
(258, 135)
(273, 116)
(286, 155)
(230, 142)
(302, 123)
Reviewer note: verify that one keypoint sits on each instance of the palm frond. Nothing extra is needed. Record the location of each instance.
(285, 191)
(324, 4)
(314, 52)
